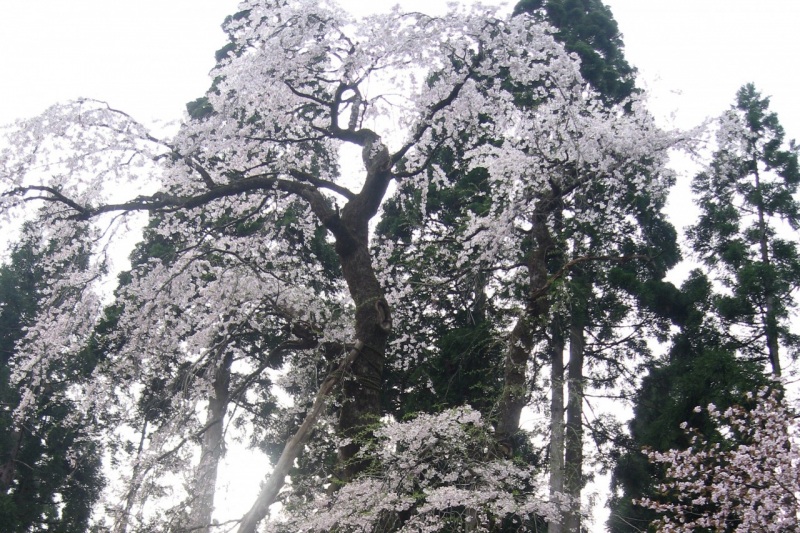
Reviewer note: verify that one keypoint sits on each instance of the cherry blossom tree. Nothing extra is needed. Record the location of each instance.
(749, 480)
(262, 188)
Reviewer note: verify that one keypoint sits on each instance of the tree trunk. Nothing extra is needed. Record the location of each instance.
(573, 461)
(373, 323)
(361, 389)
(8, 468)
(515, 390)
(276, 480)
(556, 417)
(770, 314)
(205, 479)
(520, 343)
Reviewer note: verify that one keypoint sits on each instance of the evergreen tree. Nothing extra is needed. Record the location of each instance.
(593, 308)
(586, 325)
(588, 28)
(50, 468)
(747, 207)
(746, 231)
(700, 368)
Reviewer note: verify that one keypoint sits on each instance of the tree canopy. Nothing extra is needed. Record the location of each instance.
(364, 246)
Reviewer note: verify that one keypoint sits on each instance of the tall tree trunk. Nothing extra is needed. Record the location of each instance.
(770, 313)
(515, 391)
(556, 417)
(362, 387)
(276, 480)
(573, 455)
(362, 391)
(211, 451)
(373, 322)
(520, 343)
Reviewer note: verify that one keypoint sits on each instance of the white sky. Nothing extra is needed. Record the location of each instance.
(150, 57)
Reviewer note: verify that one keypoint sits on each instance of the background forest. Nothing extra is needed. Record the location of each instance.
(372, 247)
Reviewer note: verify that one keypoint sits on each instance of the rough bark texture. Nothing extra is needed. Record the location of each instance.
(211, 450)
(515, 392)
(556, 416)
(573, 448)
(362, 390)
(520, 343)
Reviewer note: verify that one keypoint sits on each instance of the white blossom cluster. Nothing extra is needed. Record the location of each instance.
(433, 473)
(246, 194)
(751, 483)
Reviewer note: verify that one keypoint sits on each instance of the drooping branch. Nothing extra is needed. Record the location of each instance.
(167, 202)
(425, 124)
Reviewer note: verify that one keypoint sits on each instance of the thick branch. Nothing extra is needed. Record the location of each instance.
(167, 202)
(322, 184)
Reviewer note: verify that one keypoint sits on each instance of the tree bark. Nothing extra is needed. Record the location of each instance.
(9, 467)
(211, 451)
(373, 323)
(556, 417)
(361, 388)
(573, 454)
(770, 313)
(515, 393)
(520, 343)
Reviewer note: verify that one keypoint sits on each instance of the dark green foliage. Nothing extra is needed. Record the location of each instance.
(745, 196)
(587, 28)
(701, 368)
(464, 368)
(745, 232)
(50, 465)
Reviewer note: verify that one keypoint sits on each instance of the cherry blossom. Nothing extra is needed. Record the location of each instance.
(274, 282)
(749, 480)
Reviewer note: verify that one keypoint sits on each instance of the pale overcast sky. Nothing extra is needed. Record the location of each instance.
(150, 57)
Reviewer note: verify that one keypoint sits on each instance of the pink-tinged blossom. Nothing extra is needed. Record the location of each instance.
(434, 473)
(304, 80)
(749, 482)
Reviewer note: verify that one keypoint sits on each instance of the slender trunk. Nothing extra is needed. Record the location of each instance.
(556, 417)
(121, 525)
(9, 467)
(573, 461)
(276, 480)
(212, 448)
(770, 317)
